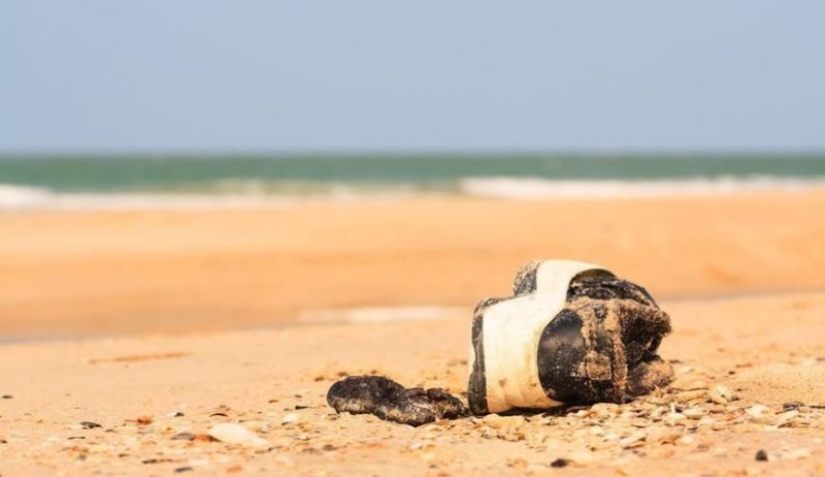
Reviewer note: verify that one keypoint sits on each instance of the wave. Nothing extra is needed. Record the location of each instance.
(267, 194)
(32, 198)
(535, 188)
(213, 196)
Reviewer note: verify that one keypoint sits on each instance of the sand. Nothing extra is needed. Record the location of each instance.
(124, 319)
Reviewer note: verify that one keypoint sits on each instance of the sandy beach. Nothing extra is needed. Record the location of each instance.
(158, 325)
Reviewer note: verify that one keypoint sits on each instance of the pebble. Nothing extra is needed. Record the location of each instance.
(756, 412)
(717, 398)
(184, 436)
(236, 434)
(674, 418)
(785, 418)
(761, 456)
(693, 413)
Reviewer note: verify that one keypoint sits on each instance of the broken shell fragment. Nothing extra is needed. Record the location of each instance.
(236, 434)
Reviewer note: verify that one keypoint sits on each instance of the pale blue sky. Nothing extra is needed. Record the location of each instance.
(275, 76)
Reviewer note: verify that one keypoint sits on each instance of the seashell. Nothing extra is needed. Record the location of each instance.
(236, 434)
(572, 333)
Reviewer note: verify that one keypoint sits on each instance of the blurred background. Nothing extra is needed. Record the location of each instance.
(191, 165)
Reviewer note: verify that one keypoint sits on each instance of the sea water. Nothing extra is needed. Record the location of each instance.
(102, 181)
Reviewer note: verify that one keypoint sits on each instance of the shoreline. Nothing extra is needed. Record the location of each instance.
(253, 195)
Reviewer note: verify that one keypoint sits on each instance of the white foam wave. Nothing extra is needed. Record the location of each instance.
(533, 188)
(243, 194)
(32, 198)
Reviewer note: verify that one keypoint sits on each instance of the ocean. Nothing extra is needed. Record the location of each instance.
(206, 181)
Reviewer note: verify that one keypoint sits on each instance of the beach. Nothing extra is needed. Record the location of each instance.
(127, 318)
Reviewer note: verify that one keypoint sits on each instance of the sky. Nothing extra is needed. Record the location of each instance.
(287, 76)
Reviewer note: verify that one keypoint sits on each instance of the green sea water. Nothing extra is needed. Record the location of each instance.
(427, 172)
(206, 181)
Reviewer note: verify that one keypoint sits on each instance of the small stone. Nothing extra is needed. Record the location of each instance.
(706, 421)
(756, 412)
(7, 396)
(144, 420)
(640, 422)
(236, 434)
(89, 425)
(183, 469)
(792, 406)
(724, 392)
(693, 413)
(761, 456)
(184, 436)
(685, 440)
(289, 419)
(693, 395)
(634, 440)
(674, 418)
(785, 418)
(560, 462)
(176, 414)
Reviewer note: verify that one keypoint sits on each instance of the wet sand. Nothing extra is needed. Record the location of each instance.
(210, 314)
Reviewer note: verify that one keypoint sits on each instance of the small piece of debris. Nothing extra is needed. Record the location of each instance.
(391, 401)
(761, 456)
(144, 420)
(176, 414)
(90, 425)
(560, 462)
(792, 406)
(183, 469)
(7, 396)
